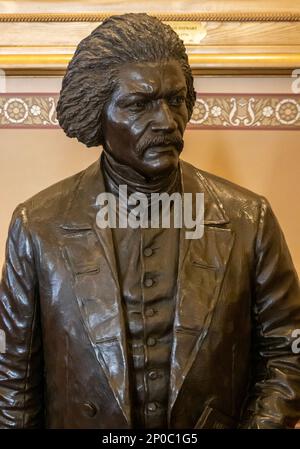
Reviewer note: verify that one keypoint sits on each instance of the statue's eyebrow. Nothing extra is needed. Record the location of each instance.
(131, 96)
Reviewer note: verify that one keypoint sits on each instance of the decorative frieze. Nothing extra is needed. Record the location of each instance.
(211, 111)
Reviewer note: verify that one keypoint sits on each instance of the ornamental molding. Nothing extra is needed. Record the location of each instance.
(212, 111)
(265, 16)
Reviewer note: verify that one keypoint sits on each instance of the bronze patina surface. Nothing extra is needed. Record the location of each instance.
(144, 328)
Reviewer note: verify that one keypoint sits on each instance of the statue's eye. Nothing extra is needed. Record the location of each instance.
(176, 100)
(138, 105)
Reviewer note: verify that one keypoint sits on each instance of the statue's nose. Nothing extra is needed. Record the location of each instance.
(163, 119)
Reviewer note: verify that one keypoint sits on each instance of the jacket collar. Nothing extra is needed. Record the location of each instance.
(82, 208)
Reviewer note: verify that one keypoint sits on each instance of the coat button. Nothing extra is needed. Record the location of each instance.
(148, 282)
(151, 407)
(151, 341)
(153, 375)
(148, 252)
(149, 312)
(90, 409)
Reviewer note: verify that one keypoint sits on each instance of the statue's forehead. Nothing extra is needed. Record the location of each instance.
(151, 76)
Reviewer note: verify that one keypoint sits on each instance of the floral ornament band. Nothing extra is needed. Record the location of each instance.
(211, 111)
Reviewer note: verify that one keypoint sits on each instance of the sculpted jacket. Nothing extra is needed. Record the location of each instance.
(237, 305)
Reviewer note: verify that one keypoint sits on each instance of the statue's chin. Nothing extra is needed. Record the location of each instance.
(159, 171)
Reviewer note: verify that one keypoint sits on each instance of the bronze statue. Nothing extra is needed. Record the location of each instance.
(142, 327)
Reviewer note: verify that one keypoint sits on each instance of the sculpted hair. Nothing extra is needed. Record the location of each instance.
(92, 74)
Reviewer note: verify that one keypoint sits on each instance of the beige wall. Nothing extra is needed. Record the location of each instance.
(267, 162)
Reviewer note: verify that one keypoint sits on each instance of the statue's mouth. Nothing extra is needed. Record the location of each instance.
(162, 148)
(160, 144)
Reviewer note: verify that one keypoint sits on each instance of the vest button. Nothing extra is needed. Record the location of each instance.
(89, 409)
(151, 341)
(149, 312)
(148, 252)
(153, 375)
(148, 282)
(151, 407)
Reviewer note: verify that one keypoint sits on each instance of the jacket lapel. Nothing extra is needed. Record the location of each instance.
(89, 253)
(202, 265)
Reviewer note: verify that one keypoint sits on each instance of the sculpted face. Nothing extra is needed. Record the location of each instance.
(144, 121)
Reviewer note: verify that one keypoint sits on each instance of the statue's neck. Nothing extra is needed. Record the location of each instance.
(117, 174)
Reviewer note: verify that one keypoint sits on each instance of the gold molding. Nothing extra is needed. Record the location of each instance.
(202, 64)
(245, 60)
(30, 60)
(212, 59)
(267, 16)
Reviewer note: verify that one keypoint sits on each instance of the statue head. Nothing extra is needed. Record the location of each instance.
(126, 55)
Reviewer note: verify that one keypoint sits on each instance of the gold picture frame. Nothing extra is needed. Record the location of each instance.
(250, 41)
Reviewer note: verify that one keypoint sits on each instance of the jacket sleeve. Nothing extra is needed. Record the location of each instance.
(274, 400)
(21, 359)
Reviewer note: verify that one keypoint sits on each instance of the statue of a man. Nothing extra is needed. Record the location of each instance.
(139, 326)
